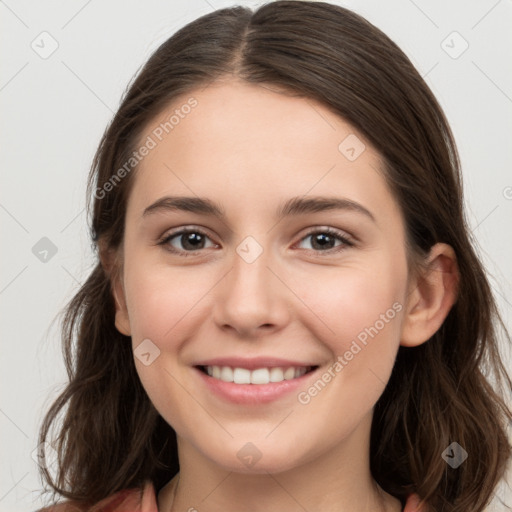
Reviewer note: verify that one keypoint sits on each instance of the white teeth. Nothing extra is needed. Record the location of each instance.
(258, 376)
(276, 374)
(299, 372)
(289, 373)
(241, 376)
(226, 374)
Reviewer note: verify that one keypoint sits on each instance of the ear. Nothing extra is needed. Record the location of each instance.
(431, 296)
(110, 261)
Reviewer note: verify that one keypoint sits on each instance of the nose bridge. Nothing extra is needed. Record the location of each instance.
(249, 282)
(249, 296)
(251, 275)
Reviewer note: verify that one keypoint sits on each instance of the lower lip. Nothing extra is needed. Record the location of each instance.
(252, 393)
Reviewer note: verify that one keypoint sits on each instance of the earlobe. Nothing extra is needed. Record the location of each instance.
(112, 267)
(122, 321)
(433, 295)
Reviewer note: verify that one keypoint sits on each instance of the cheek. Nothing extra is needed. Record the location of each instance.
(358, 318)
(361, 315)
(366, 312)
(161, 299)
(348, 302)
(162, 304)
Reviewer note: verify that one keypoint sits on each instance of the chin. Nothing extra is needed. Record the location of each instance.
(255, 459)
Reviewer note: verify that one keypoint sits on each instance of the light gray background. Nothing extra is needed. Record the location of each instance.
(55, 109)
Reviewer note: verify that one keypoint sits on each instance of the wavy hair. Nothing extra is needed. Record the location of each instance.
(106, 432)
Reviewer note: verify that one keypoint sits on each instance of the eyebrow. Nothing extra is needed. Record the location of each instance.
(294, 206)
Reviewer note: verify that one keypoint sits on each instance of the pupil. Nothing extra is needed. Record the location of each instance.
(323, 241)
(194, 239)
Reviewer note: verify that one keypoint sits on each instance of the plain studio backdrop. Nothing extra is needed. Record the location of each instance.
(65, 67)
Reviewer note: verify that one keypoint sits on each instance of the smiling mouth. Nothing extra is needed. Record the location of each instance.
(259, 376)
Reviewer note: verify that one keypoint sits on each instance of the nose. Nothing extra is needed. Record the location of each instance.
(251, 301)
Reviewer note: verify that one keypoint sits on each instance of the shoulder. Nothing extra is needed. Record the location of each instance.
(127, 500)
(414, 504)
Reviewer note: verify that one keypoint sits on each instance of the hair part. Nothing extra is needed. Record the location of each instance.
(111, 436)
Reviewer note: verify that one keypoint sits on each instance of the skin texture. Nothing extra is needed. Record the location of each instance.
(249, 149)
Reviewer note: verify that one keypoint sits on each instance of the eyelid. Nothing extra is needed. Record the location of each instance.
(340, 233)
(347, 239)
(168, 235)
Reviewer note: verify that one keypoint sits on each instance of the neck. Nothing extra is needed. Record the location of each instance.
(338, 480)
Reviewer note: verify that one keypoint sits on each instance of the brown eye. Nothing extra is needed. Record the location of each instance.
(323, 240)
(186, 240)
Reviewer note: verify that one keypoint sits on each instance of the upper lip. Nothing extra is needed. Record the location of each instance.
(253, 363)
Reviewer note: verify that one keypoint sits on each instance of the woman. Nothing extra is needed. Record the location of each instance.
(287, 312)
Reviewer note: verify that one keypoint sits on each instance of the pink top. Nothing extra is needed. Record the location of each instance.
(130, 500)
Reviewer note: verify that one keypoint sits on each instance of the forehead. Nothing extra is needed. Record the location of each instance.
(234, 115)
(238, 140)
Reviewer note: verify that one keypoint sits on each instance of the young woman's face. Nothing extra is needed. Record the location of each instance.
(293, 257)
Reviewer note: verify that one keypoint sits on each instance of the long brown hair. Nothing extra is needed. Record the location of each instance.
(109, 436)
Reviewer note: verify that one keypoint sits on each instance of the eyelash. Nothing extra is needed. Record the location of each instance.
(327, 231)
